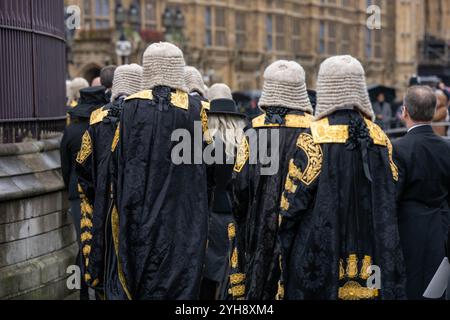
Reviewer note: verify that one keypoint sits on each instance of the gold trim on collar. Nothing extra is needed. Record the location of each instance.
(380, 138)
(98, 115)
(322, 132)
(291, 121)
(180, 99)
(144, 95)
(206, 105)
(377, 134)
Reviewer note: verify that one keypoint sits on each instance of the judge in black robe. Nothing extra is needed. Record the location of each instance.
(258, 188)
(159, 225)
(338, 221)
(94, 176)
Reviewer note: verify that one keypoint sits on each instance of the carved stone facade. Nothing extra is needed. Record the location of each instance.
(234, 40)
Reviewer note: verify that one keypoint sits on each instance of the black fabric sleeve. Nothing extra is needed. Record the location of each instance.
(66, 158)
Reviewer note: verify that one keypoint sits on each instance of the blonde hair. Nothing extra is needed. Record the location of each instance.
(230, 130)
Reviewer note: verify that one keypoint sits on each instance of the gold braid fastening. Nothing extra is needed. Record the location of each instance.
(352, 266)
(237, 278)
(86, 148)
(366, 264)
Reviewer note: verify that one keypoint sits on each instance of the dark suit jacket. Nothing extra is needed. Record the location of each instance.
(423, 160)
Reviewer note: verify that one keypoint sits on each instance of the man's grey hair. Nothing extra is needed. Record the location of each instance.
(420, 101)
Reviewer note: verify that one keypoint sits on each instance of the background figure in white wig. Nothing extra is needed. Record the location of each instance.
(75, 86)
(94, 180)
(194, 82)
(226, 126)
(257, 193)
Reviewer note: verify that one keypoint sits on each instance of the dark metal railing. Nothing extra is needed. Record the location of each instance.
(20, 130)
(32, 68)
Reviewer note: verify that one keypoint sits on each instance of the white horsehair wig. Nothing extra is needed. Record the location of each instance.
(229, 129)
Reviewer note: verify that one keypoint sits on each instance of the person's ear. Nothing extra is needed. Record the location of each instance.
(405, 113)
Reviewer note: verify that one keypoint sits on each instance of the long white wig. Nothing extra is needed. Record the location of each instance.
(229, 129)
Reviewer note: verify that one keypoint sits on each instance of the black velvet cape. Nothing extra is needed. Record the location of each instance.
(338, 213)
(160, 225)
(257, 206)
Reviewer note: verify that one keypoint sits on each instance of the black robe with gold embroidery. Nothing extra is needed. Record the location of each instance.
(93, 169)
(338, 213)
(160, 223)
(255, 256)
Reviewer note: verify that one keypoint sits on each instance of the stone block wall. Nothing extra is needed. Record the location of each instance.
(37, 238)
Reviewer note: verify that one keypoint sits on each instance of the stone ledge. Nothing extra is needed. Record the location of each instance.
(29, 185)
(12, 149)
(34, 226)
(22, 250)
(40, 278)
(29, 163)
(23, 209)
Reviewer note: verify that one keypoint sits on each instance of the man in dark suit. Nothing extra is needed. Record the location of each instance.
(423, 160)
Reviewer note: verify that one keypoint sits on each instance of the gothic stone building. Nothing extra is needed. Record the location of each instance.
(234, 40)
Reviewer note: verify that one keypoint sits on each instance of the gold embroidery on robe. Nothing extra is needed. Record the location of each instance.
(116, 139)
(237, 291)
(86, 208)
(115, 235)
(394, 168)
(231, 231)
(364, 273)
(98, 115)
(284, 205)
(352, 266)
(315, 158)
(86, 148)
(237, 278)
(86, 236)
(294, 171)
(341, 270)
(144, 95)
(86, 250)
(380, 138)
(322, 132)
(205, 129)
(180, 99)
(234, 258)
(290, 121)
(290, 185)
(243, 155)
(354, 291)
(86, 223)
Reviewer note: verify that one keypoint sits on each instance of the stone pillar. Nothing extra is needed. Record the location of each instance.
(37, 239)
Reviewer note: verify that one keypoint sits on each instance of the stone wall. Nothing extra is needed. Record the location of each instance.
(37, 238)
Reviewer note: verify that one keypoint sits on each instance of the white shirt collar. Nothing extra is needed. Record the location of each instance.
(417, 126)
